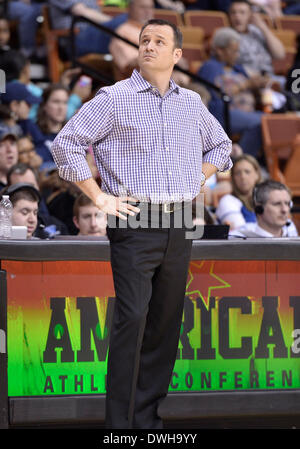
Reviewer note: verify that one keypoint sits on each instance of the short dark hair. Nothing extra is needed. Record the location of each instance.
(161, 22)
(12, 62)
(80, 201)
(262, 191)
(24, 194)
(20, 169)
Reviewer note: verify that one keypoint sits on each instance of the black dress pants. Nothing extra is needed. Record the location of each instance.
(150, 268)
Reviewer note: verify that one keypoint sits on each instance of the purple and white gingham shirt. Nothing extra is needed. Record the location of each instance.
(146, 146)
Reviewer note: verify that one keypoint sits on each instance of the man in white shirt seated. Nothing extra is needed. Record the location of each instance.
(273, 202)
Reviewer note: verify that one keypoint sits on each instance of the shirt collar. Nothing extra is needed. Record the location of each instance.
(265, 233)
(143, 85)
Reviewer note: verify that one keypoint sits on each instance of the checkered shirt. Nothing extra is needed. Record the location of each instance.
(145, 145)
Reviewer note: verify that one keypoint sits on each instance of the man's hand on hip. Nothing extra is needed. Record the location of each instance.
(118, 206)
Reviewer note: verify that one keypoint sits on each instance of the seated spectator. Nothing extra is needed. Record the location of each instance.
(48, 226)
(27, 153)
(18, 100)
(88, 218)
(258, 45)
(51, 117)
(8, 155)
(26, 13)
(272, 202)
(22, 173)
(17, 68)
(237, 208)
(25, 200)
(8, 121)
(60, 196)
(223, 71)
(125, 55)
(89, 39)
(4, 33)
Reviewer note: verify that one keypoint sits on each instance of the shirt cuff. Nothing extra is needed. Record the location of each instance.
(75, 174)
(219, 160)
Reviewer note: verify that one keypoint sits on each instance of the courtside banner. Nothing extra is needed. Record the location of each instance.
(240, 328)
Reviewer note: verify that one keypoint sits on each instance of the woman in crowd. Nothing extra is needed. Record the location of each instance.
(51, 117)
(236, 208)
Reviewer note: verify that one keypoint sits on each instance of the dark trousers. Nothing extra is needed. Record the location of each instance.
(150, 269)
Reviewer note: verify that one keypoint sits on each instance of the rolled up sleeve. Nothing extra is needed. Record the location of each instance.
(91, 124)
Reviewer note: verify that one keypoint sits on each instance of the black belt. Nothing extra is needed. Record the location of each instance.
(167, 208)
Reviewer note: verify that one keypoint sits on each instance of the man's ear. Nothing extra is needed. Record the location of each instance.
(177, 55)
(75, 221)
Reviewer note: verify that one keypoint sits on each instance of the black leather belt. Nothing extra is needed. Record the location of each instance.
(167, 208)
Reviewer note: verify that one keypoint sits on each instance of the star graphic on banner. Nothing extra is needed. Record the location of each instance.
(204, 287)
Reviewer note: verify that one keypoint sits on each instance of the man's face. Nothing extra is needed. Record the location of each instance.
(20, 108)
(25, 214)
(27, 177)
(4, 32)
(156, 49)
(27, 153)
(8, 154)
(240, 16)
(142, 10)
(91, 221)
(276, 209)
(230, 54)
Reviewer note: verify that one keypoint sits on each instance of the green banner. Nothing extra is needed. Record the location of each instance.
(240, 328)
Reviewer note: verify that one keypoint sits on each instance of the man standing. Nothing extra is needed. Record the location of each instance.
(154, 143)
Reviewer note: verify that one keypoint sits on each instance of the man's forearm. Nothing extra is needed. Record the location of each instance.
(209, 169)
(90, 188)
(96, 16)
(275, 46)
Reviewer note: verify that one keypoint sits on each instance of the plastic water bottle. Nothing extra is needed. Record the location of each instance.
(6, 209)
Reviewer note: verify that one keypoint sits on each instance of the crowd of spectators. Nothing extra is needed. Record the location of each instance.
(240, 61)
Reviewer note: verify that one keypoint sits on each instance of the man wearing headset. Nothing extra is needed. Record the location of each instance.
(272, 204)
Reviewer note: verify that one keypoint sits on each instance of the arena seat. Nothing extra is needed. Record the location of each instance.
(288, 22)
(195, 54)
(113, 11)
(287, 37)
(282, 66)
(207, 20)
(192, 35)
(281, 142)
(168, 14)
(56, 66)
